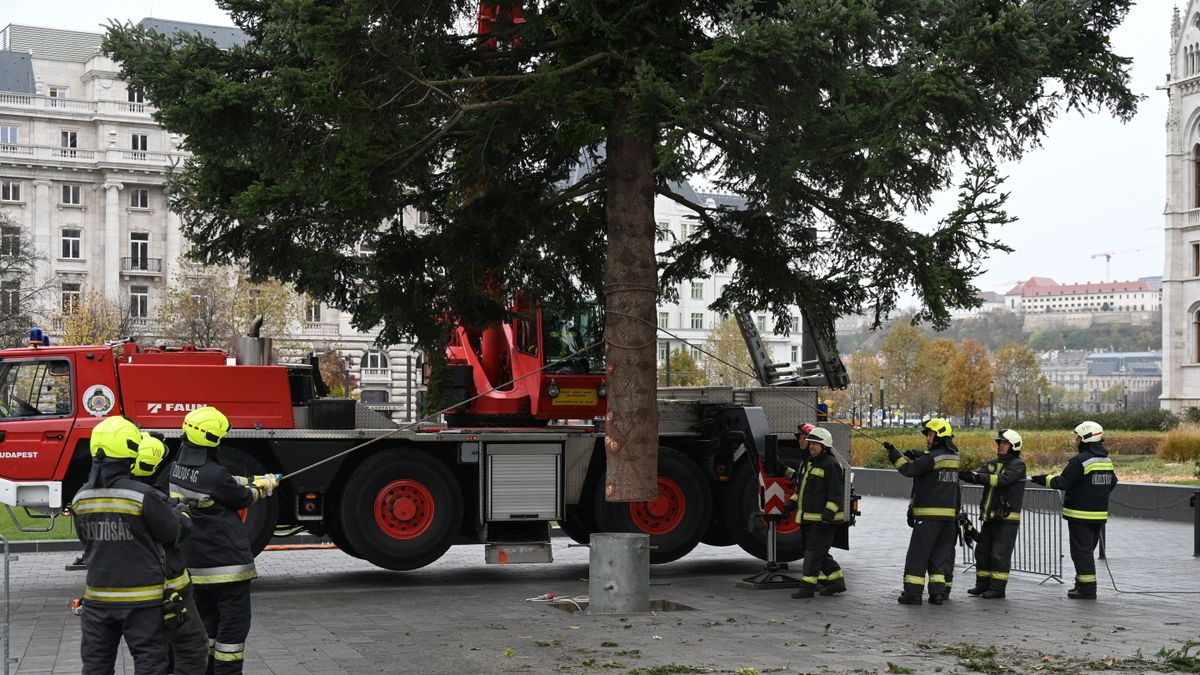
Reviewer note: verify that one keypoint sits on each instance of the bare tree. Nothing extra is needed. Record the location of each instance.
(209, 306)
(22, 291)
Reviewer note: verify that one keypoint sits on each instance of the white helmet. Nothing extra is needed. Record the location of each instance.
(822, 436)
(1090, 432)
(1012, 437)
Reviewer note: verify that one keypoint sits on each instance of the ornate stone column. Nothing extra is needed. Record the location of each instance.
(112, 240)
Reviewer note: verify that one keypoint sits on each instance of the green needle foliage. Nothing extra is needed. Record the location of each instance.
(834, 118)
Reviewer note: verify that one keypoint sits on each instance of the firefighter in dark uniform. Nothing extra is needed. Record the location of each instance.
(818, 506)
(1003, 481)
(932, 512)
(185, 632)
(122, 524)
(1085, 482)
(218, 552)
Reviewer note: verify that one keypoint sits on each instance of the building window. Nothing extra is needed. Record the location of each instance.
(139, 198)
(9, 136)
(685, 230)
(1196, 259)
(10, 297)
(312, 311)
(10, 191)
(374, 396)
(661, 229)
(70, 298)
(139, 301)
(761, 322)
(375, 362)
(698, 320)
(695, 353)
(664, 351)
(10, 241)
(1196, 176)
(71, 195)
(139, 250)
(422, 217)
(795, 354)
(697, 290)
(664, 320)
(71, 240)
(56, 91)
(68, 141)
(136, 95)
(139, 144)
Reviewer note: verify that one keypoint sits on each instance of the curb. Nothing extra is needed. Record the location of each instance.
(61, 545)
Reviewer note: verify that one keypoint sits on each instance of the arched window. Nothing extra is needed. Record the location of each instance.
(1195, 355)
(1196, 176)
(375, 362)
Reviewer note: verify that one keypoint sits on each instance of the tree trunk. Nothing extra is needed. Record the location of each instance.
(631, 281)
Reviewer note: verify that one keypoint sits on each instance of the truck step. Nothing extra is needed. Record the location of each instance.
(522, 552)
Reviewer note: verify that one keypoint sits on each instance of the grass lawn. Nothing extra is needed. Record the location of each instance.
(64, 528)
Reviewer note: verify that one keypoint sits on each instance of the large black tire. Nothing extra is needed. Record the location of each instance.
(741, 502)
(333, 523)
(579, 524)
(419, 509)
(676, 521)
(262, 515)
(717, 534)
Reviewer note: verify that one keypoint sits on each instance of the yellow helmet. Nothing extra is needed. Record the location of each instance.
(116, 437)
(940, 427)
(151, 452)
(205, 426)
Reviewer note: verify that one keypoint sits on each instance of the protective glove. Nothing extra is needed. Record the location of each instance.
(889, 447)
(1040, 479)
(912, 454)
(967, 476)
(790, 507)
(827, 517)
(267, 483)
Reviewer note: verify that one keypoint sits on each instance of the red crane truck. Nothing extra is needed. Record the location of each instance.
(527, 452)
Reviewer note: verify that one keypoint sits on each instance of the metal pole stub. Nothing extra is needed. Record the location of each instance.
(1195, 502)
(772, 499)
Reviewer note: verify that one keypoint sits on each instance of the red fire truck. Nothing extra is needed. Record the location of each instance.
(527, 452)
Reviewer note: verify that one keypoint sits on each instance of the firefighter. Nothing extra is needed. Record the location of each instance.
(818, 506)
(218, 552)
(185, 632)
(932, 512)
(1085, 482)
(122, 523)
(1003, 479)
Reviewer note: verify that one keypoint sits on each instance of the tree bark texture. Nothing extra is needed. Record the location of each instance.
(631, 282)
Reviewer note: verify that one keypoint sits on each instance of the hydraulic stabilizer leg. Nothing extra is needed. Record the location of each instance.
(772, 498)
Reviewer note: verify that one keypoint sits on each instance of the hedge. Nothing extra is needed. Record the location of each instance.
(1150, 419)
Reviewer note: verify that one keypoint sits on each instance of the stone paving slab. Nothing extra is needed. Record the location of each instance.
(321, 611)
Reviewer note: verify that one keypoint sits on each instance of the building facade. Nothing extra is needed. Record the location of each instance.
(82, 170)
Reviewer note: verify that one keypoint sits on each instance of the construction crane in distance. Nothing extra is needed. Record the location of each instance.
(1108, 255)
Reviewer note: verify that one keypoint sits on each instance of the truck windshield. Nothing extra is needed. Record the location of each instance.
(35, 388)
(564, 335)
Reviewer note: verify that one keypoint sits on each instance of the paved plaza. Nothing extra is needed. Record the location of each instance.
(321, 611)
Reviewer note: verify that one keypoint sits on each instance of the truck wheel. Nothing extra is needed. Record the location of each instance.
(750, 531)
(401, 509)
(676, 520)
(260, 518)
(718, 534)
(333, 530)
(578, 524)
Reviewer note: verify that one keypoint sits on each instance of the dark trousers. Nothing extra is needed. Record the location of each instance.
(189, 641)
(142, 627)
(930, 551)
(818, 538)
(1084, 535)
(225, 609)
(993, 553)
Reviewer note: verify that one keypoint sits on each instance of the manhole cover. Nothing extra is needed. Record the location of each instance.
(580, 605)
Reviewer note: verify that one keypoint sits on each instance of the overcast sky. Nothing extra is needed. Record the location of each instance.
(1095, 186)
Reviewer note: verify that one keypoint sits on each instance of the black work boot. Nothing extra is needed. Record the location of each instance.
(992, 594)
(906, 599)
(834, 587)
(804, 591)
(978, 590)
(936, 598)
(1078, 593)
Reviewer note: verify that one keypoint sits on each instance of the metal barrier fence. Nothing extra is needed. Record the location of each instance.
(1039, 548)
(7, 610)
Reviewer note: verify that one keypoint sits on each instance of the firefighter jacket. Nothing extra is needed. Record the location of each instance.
(935, 480)
(1086, 482)
(123, 524)
(176, 569)
(1003, 481)
(820, 490)
(218, 551)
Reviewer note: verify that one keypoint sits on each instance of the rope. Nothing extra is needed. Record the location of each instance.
(430, 416)
(1150, 508)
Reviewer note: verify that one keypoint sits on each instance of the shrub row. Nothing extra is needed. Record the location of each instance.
(1181, 444)
(1151, 419)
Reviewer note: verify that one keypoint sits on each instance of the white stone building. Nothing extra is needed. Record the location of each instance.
(82, 169)
(1181, 272)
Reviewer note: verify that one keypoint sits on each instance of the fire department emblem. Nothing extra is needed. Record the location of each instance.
(98, 400)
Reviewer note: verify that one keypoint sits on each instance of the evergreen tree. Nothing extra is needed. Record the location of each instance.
(833, 119)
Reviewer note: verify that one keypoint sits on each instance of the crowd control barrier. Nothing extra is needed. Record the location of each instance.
(1039, 548)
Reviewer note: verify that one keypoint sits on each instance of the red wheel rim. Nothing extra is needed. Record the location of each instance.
(243, 513)
(786, 526)
(660, 516)
(404, 509)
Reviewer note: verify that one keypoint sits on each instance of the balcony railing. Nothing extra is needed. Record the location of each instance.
(319, 328)
(82, 155)
(75, 105)
(376, 374)
(141, 265)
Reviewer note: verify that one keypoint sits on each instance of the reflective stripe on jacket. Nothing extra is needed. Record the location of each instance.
(1003, 481)
(821, 488)
(935, 480)
(218, 539)
(1086, 482)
